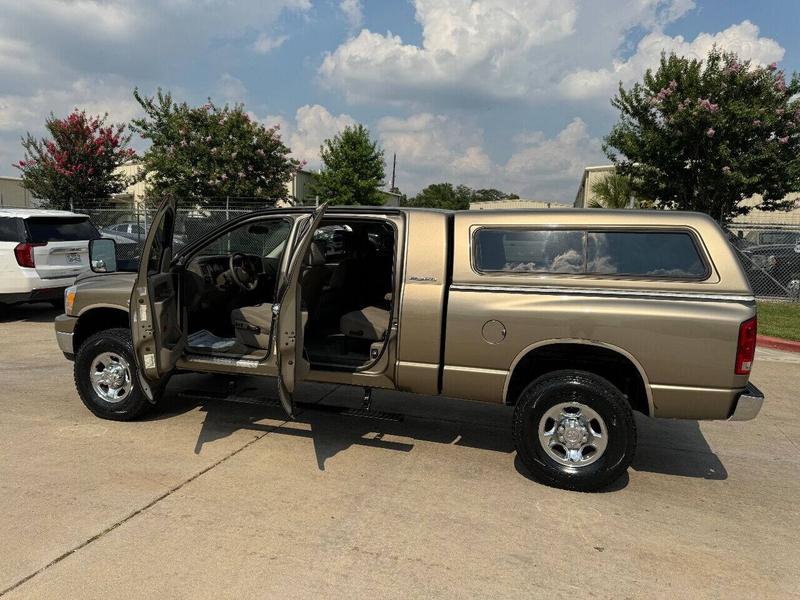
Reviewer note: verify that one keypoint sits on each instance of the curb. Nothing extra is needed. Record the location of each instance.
(775, 343)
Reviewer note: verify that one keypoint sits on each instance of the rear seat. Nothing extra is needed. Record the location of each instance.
(369, 323)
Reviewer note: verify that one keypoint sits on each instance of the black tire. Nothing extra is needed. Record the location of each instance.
(598, 395)
(116, 341)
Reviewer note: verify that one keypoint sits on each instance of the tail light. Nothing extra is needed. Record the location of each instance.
(746, 346)
(24, 254)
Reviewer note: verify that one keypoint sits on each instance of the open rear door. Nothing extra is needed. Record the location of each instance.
(287, 316)
(156, 327)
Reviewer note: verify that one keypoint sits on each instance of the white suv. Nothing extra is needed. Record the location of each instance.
(41, 253)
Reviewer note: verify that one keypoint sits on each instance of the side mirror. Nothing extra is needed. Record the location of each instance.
(103, 255)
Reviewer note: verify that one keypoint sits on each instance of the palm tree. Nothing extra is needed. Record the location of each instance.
(616, 191)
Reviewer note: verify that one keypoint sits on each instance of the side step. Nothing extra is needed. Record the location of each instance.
(363, 413)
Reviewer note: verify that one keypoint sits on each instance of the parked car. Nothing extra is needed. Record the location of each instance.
(41, 253)
(774, 268)
(576, 318)
(134, 231)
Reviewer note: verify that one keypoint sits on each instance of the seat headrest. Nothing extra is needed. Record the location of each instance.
(315, 256)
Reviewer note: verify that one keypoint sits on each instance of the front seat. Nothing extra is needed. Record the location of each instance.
(252, 325)
(368, 323)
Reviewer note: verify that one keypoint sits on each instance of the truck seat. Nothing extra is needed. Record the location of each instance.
(252, 325)
(368, 323)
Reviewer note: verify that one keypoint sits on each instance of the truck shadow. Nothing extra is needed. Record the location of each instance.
(665, 446)
(29, 313)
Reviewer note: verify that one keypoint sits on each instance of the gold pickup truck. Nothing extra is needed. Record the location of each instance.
(576, 318)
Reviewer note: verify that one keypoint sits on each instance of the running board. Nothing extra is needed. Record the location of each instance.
(361, 413)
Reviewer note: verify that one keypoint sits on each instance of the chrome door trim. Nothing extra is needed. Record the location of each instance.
(609, 292)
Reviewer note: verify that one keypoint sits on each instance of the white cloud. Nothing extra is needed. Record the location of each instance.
(435, 148)
(743, 39)
(230, 88)
(352, 12)
(489, 51)
(265, 43)
(312, 125)
(21, 113)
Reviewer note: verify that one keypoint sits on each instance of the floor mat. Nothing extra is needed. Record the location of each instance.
(205, 342)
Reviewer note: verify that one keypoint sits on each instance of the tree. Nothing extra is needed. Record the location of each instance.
(208, 151)
(616, 191)
(352, 170)
(443, 195)
(79, 163)
(705, 135)
(492, 195)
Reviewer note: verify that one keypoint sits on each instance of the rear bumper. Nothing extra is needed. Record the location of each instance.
(65, 332)
(748, 404)
(43, 294)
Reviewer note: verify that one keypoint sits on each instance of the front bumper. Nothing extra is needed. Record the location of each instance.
(748, 404)
(65, 332)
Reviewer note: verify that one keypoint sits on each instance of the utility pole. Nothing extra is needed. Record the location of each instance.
(394, 167)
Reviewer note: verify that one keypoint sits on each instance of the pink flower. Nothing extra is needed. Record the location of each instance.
(726, 170)
(224, 177)
(757, 123)
(260, 152)
(783, 140)
(710, 132)
(242, 175)
(706, 104)
(772, 66)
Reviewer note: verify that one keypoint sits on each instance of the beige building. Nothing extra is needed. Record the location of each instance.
(13, 195)
(299, 186)
(591, 175)
(515, 204)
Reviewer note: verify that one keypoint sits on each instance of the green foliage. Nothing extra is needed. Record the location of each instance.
(353, 169)
(616, 191)
(208, 151)
(443, 195)
(450, 197)
(704, 135)
(78, 163)
(492, 195)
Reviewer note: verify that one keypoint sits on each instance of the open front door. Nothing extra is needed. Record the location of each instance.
(288, 319)
(156, 327)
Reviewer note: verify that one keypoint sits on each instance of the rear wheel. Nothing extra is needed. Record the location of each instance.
(574, 430)
(106, 377)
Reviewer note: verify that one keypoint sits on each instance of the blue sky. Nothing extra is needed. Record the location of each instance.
(511, 94)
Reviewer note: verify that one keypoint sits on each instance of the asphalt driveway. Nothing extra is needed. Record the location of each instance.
(209, 498)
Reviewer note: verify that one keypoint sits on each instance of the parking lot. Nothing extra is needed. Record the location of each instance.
(218, 499)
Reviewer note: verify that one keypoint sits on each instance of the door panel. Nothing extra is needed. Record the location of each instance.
(155, 305)
(288, 320)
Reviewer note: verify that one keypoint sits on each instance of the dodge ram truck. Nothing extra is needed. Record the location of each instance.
(575, 318)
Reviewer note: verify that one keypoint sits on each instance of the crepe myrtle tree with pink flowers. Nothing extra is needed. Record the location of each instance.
(208, 152)
(78, 162)
(705, 135)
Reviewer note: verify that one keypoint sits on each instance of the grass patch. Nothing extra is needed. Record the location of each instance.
(779, 319)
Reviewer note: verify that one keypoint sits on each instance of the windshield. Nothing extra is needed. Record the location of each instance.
(60, 229)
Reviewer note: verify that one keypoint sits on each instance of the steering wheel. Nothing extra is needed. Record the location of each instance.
(242, 272)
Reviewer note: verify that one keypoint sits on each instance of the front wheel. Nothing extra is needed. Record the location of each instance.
(106, 378)
(574, 430)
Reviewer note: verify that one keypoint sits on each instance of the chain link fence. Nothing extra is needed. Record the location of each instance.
(128, 223)
(770, 254)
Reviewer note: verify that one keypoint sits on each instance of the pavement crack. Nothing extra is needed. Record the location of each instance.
(150, 504)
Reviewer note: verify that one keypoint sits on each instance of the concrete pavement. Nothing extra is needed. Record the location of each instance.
(221, 500)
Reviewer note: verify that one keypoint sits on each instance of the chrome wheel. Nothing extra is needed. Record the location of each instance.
(110, 375)
(572, 434)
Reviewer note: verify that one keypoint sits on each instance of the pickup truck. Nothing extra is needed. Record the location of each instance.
(575, 318)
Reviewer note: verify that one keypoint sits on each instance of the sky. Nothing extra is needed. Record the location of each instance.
(511, 94)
